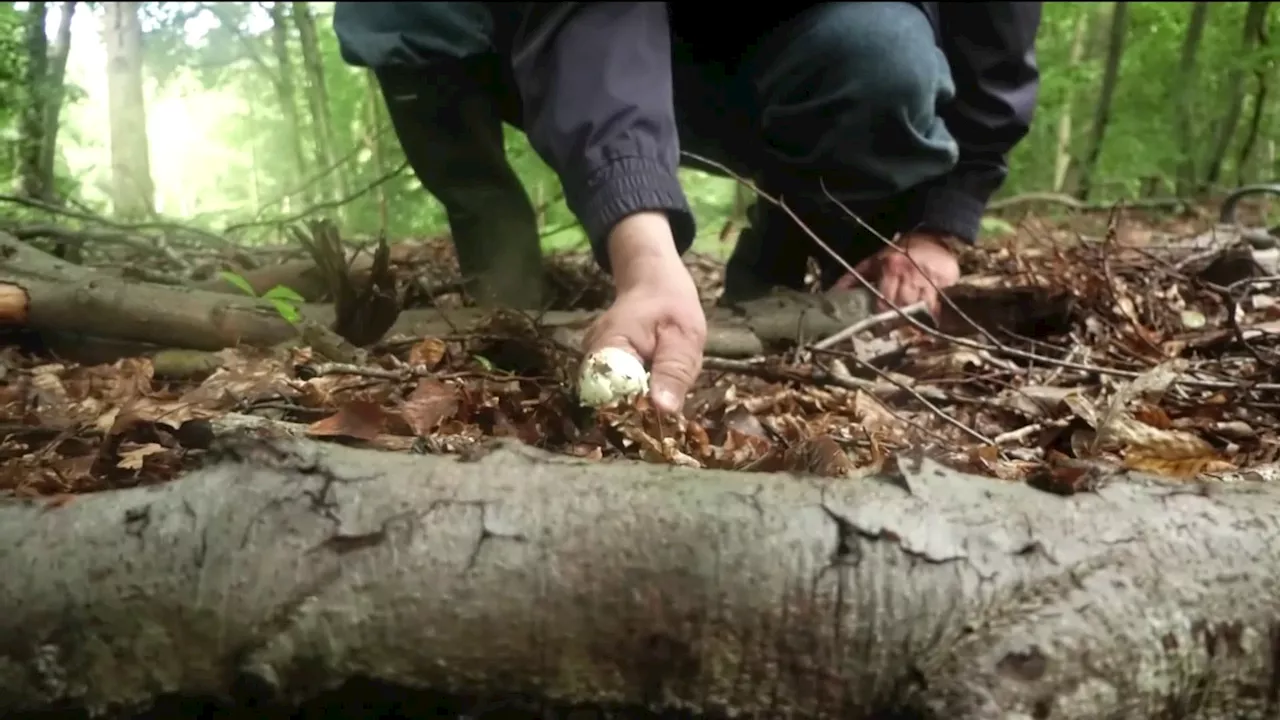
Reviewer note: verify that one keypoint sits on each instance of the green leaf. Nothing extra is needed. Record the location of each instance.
(280, 292)
(484, 362)
(239, 282)
(287, 311)
(996, 226)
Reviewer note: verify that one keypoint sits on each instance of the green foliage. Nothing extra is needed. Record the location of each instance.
(283, 299)
(231, 156)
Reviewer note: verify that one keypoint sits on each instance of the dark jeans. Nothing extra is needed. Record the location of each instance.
(844, 97)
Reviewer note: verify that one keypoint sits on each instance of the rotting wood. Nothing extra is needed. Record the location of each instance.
(286, 567)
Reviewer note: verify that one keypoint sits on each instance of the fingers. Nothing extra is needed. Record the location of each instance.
(677, 360)
(890, 286)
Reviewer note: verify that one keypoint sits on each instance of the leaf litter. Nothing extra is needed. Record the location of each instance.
(1168, 366)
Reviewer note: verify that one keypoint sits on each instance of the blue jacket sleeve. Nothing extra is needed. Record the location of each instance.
(595, 81)
(991, 49)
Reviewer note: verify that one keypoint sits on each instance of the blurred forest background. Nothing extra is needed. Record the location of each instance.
(239, 115)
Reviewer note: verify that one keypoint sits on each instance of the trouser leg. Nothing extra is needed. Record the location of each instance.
(847, 98)
(449, 123)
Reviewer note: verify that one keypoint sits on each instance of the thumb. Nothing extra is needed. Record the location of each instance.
(867, 267)
(677, 360)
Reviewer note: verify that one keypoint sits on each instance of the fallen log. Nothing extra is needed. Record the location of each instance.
(42, 293)
(284, 567)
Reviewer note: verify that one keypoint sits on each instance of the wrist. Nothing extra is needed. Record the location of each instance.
(640, 244)
(944, 240)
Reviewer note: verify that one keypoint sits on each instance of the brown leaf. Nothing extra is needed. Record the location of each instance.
(820, 455)
(133, 379)
(1153, 416)
(872, 414)
(429, 353)
(431, 403)
(358, 419)
(241, 380)
(132, 456)
(1181, 468)
(172, 413)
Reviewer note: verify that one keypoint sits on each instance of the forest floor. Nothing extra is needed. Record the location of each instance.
(1166, 363)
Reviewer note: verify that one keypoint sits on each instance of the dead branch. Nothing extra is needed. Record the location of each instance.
(1072, 203)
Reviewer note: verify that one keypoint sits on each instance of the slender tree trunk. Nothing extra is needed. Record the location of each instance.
(31, 182)
(1062, 149)
(373, 137)
(132, 189)
(1183, 94)
(56, 92)
(1253, 21)
(318, 97)
(1102, 113)
(287, 91)
(1261, 75)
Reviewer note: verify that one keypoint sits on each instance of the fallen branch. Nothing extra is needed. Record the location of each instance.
(1073, 203)
(49, 295)
(284, 568)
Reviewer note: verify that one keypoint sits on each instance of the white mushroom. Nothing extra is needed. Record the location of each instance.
(611, 375)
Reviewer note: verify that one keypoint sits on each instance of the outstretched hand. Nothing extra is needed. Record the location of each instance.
(657, 315)
(922, 266)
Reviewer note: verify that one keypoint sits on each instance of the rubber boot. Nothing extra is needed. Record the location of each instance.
(451, 130)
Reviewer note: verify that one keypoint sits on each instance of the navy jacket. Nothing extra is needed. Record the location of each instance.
(595, 82)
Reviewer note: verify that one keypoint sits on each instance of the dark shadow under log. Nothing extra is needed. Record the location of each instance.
(284, 569)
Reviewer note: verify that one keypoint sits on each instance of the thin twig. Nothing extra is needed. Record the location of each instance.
(997, 346)
(868, 322)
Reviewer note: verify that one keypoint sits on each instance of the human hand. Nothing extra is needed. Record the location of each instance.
(903, 282)
(657, 315)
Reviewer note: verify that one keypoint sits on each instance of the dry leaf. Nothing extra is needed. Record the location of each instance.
(1181, 468)
(872, 414)
(1150, 385)
(820, 456)
(133, 458)
(1170, 453)
(431, 403)
(358, 419)
(427, 353)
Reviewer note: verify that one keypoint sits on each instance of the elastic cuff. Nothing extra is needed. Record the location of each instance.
(624, 187)
(948, 210)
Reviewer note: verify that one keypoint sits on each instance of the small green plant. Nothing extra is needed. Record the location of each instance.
(996, 226)
(284, 300)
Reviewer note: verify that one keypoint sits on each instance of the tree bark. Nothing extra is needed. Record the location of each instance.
(318, 98)
(31, 182)
(1102, 113)
(1062, 149)
(287, 92)
(1253, 21)
(1184, 82)
(283, 568)
(1261, 74)
(132, 189)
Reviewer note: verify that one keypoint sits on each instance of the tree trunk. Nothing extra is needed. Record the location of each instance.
(282, 568)
(132, 189)
(1102, 113)
(31, 182)
(1261, 75)
(1253, 21)
(373, 137)
(1062, 149)
(318, 98)
(1184, 82)
(287, 94)
(56, 84)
